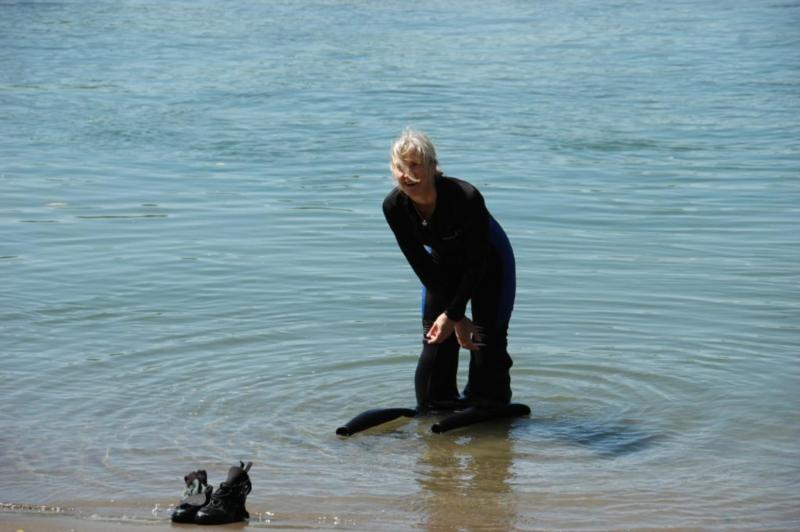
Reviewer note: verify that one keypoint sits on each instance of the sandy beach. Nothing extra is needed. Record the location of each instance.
(45, 518)
(27, 522)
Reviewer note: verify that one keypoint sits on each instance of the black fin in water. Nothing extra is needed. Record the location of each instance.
(372, 418)
(473, 415)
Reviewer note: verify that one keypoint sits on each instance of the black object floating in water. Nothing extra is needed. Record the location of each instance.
(474, 415)
(372, 418)
(470, 416)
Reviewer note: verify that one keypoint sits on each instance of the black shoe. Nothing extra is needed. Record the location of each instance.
(227, 503)
(196, 495)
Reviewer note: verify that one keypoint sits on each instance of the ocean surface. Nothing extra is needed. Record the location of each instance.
(195, 269)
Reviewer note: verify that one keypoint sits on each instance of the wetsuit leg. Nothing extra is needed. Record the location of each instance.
(492, 304)
(435, 379)
(489, 378)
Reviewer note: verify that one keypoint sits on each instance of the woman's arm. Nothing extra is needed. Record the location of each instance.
(417, 256)
(476, 236)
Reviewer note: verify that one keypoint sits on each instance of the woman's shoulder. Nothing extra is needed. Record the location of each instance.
(393, 199)
(458, 188)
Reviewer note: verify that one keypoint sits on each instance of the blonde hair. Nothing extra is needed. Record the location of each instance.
(414, 142)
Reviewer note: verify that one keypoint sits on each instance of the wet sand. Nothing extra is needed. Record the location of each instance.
(118, 517)
(46, 518)
(28, 522)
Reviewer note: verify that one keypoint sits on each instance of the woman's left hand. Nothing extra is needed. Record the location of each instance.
(441, 329)
(468, 335)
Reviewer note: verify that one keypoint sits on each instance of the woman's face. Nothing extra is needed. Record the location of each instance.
(414, 177)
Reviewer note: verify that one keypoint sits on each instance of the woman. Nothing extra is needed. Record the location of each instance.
(461, 255)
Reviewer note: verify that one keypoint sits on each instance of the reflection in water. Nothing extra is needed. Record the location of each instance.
(466, 480)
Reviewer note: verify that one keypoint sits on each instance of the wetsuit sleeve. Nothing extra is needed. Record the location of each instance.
(476, 235)
(417, 256)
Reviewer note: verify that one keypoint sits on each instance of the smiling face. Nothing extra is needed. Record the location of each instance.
(415, 167)
(414, 177)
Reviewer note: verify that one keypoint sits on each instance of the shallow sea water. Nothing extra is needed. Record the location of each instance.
(195, 269)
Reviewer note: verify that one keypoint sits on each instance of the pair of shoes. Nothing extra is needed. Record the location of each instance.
(204, 506)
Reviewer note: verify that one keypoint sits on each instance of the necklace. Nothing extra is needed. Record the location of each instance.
(419, 213)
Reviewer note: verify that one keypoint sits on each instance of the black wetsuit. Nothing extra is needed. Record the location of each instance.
(461, 254)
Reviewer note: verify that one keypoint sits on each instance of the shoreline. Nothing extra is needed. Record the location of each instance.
(28, 518)
(30, 521)
(23, 521)
(51, 518)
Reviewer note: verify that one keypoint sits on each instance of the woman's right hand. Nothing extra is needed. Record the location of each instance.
(441, 329)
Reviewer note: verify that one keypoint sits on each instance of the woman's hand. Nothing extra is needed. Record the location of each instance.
(441, 329)
(467, 334)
